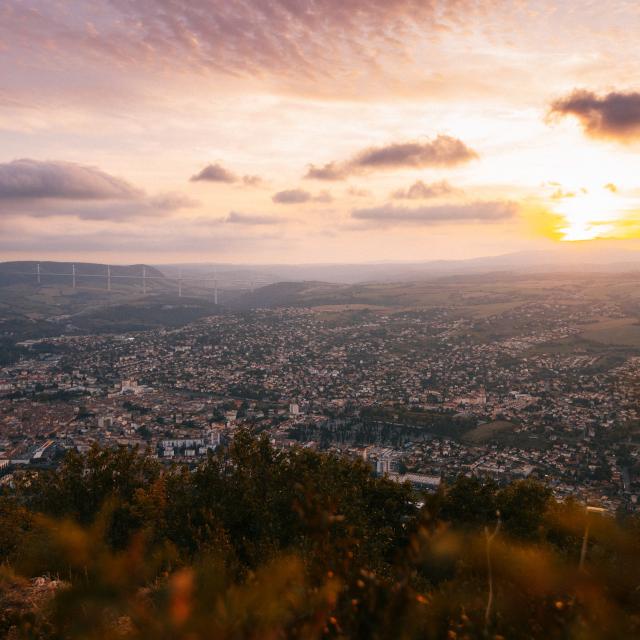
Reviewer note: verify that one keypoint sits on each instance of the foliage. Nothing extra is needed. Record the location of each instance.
(9, 352)
(262, 543)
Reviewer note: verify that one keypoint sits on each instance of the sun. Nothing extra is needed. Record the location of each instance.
(588, 214)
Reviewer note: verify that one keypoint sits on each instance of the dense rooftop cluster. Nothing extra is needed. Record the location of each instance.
(433, 393)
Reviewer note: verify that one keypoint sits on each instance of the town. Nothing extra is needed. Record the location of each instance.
(423, 395)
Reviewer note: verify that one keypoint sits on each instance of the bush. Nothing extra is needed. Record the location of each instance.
(261, 543)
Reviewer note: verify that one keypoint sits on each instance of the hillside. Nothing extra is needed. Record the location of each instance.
(88, 274)
(32, 309)
(288, 294)
(477, 295)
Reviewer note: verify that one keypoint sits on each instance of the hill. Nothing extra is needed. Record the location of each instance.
(476, 295)
(31, 310)
(574, 257)
(288, 294)
(88, 274)
(33, 306)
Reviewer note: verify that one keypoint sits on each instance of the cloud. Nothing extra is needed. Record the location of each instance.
(614, 115)
(98, 210)
(252, 38)
(214, 173)
(292, 196)
(218, 173)
(27, 179)
(355, 192)
(442, 151)
(323, 196)
(330, 171)
(252, 181)
(172, 201)
(421, 191)
(560, 194)
(46, 189)
(475, 212)
(300, 196)
(322, 47)
(251, 220)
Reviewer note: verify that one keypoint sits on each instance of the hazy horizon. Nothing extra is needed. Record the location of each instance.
(580, 252)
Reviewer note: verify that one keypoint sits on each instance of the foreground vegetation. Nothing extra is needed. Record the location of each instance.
(259, 543)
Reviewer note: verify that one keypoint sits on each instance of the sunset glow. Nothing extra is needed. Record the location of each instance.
(589, 215)
(314, 130)
(319, 319)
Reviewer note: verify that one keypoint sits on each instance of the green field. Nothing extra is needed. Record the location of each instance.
(487, 431)
(491, 309)
(614, 331)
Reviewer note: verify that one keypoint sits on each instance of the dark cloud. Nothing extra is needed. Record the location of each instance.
(33, 179)
(251, 220)
(218, 173)
(476, 212)
(98, 210)
(36, 189)
(330, 171)
(214, 173)
(421, 191)
(292, 196)
(614, 115)
(442, 151)
(300, 196)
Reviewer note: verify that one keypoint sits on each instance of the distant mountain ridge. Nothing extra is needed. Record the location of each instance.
(597, 257)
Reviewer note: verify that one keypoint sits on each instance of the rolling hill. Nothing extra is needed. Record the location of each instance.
(35, 307)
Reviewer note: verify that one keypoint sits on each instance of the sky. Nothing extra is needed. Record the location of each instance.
(303, 131)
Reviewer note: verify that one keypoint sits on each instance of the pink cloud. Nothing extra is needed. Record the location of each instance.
(442, 151)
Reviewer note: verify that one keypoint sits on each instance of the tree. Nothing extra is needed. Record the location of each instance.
(470, 502)
(523, 506)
